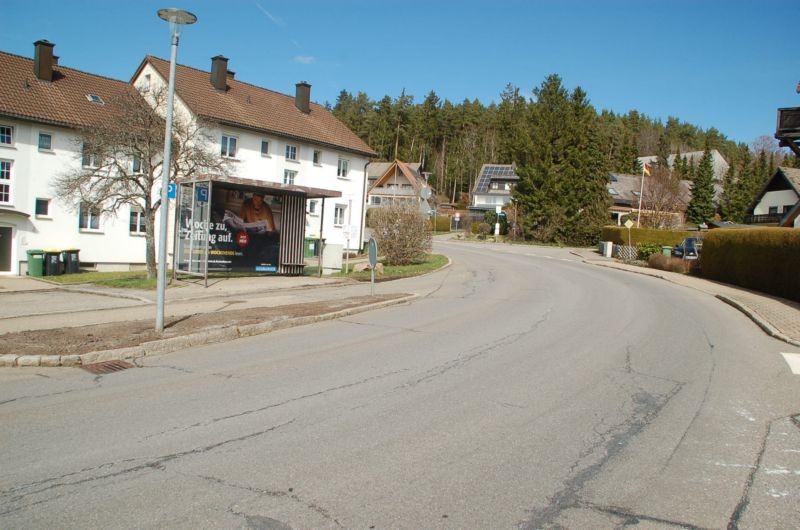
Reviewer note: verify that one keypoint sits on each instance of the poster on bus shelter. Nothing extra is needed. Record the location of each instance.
(242, 231)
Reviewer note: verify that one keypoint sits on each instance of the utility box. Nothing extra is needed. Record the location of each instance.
(332, 258)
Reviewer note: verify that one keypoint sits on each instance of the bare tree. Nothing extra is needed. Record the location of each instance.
(402, 231)
(662, 199)
(122, 161)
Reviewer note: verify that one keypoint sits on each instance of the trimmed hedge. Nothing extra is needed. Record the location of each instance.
(640, 236)
(763, 259)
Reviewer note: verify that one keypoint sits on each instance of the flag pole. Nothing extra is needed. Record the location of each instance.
(641, 192)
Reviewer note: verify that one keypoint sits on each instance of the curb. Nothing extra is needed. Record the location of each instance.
(209, 336)
(768, 328)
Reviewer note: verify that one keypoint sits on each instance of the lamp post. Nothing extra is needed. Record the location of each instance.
(176, 19)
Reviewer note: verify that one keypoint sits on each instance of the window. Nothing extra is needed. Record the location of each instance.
(45, 142)
(264, 148)
(612, 191)
(787, 208)
(341, 171)
(5, 181)
(94, 98)
(773, 210)
(146, 83)
(136, 164)
(42, 207)
(291, 152)
(288, 176)
(137, 221)
(317, 157)
(338, 214)
(6, 135)
(376, 200)
(228, 146)
(88, 218)
(312, 207)
(89, 159)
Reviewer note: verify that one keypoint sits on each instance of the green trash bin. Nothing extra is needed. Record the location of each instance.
(311, 247)
(52, 263)
(667, 251)
(69, 256)
(36, 263)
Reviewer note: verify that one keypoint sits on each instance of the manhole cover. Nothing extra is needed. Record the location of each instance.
(107, 367)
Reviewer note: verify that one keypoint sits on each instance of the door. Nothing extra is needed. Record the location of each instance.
(5, 249)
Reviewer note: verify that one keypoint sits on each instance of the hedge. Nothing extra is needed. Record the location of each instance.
(763, 259)
(640, 236)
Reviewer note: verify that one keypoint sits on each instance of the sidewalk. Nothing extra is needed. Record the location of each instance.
(54, 325)
(778, 317)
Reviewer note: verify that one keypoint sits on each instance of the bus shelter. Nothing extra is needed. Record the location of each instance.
(230, 224)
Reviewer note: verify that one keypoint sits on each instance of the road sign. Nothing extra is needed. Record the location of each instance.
(201, 194)
(372, 256)
(628, 224)
(172, 190)
(372, 252)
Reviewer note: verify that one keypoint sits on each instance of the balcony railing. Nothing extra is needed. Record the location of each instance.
(764, 219)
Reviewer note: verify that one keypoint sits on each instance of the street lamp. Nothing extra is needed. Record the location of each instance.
(176, 19)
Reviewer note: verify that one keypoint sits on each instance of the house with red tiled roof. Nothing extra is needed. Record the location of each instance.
(42, 106)
(308, 165)
(275, 140)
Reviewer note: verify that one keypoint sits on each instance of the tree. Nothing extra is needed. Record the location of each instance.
(661, 199)
(701, 207)
(122, 161)
(402, 232)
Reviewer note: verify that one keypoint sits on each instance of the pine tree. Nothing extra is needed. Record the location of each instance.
(701, 207)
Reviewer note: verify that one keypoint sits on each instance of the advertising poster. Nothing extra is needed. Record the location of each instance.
(242, 231)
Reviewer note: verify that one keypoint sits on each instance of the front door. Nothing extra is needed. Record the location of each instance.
(5, 249)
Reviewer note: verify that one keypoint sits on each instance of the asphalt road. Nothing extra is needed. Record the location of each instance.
(523, 389)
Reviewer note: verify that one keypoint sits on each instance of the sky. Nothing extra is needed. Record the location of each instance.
(727, 65)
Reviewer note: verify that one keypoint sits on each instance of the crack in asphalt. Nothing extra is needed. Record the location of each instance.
(744, 501)
(475, 353)
(699, 406)
(158, 463)
(635, 518)
(646, 408)
(274, 494)
(275, 405)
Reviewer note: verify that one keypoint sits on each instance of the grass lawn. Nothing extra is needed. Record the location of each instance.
(391, 272)
(126, 279)
(138, 279)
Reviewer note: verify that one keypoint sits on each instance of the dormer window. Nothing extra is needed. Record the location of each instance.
(94, 98)
(612, 191)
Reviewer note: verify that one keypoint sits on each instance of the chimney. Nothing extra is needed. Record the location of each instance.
(219, 72)
(302, 97)
(43, 60)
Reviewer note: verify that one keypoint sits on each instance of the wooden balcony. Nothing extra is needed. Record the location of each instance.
(764, 219)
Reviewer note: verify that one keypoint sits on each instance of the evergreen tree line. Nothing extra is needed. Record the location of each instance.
(562, 146)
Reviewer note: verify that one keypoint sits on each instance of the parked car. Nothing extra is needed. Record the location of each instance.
(689, 248)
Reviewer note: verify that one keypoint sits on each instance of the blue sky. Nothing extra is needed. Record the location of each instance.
(710, 63)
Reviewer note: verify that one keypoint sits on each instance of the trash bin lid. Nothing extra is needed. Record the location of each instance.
(35, 251)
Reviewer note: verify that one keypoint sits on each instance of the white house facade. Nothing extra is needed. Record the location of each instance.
(41, 106)
(276, 139)
(270, 138)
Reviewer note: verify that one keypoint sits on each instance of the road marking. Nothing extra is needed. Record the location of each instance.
(793, 360)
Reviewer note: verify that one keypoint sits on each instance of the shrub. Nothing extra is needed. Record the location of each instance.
(645, 250)
(402, 232)
(668, 263)
(442, 223)
(764, 259)
(484, 229)
(619, 235)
